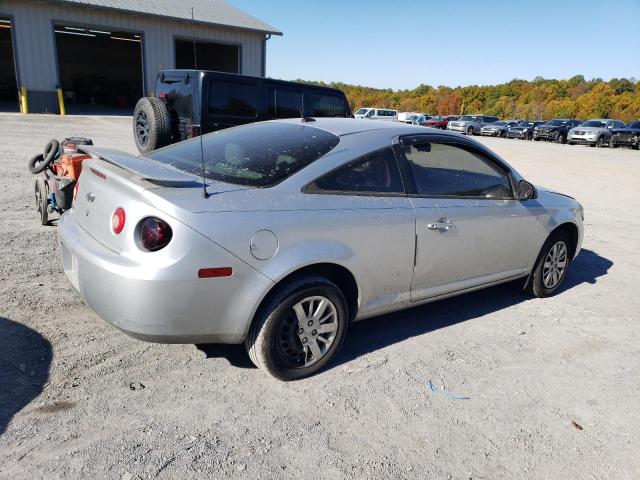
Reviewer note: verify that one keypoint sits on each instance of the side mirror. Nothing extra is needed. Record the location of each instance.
(526, 191)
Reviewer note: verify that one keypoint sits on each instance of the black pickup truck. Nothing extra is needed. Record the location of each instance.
(188, 103)
(555, 130)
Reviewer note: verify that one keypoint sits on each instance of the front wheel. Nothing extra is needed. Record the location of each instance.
(299, 330)
(470, 131)
(600, 142)
(551, 266)
(560, 138)
(613, 143)
(529, 136)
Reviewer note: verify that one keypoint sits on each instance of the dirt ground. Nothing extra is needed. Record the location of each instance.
(553, 385)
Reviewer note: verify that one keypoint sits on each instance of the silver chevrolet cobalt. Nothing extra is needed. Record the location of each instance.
(279, 234)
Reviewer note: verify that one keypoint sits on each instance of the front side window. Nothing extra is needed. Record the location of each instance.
(325, 105)
(233, 99)
(453, 171)
(376, 172)
(284, 103)
(257, 155)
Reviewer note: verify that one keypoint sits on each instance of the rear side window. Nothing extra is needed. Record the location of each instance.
(448, 170)
(325, 105)
(283, 103)
(258, 154)
(376, 172)
(232, 99)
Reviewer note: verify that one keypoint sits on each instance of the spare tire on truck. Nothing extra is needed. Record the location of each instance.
(151, 124)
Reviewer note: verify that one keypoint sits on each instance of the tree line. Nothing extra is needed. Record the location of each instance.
(539, 99)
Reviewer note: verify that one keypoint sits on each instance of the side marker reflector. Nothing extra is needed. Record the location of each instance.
(215, 272)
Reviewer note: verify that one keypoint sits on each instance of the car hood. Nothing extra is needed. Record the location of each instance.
(584, 129)
(626, 130)
(548, 127)
(551, 197)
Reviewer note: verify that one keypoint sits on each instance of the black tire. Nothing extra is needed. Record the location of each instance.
(39, 163)
(536, 286)
(42, 200)
(151, 124)
(612, 143)
(271, 343)
(529, 136)
(536, 139)
(503, 133)
(560, 138)
(470, 131)
(571, 143)
(635, 147)
(600, 142)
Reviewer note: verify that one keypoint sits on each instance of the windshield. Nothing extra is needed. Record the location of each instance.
(412, 117)
(633, 125)
(555, 123)
(362, 111)
(594, 123)
(524, 124)
(468, 118)
(498, 123)
(257, 155)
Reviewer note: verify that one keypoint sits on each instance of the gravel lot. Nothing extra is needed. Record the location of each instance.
(530, 367)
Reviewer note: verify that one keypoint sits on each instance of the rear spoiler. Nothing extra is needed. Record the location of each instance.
(145, 168)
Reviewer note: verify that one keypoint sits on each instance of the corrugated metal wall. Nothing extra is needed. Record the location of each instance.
(36, 52)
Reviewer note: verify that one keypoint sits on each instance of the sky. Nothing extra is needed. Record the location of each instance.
(401, 44)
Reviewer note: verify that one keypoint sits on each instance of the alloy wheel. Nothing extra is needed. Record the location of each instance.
(555, 264)
(308, 331)
(142, 128)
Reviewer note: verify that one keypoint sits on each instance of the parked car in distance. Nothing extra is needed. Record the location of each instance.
(190, 102)
(629, 136)
(279, 253)
(416, 119)
(595, 132)
(555, 130)
(498, 129)
(440, 121)
(471, 124)
(523, 130)
(402, 116)
(377, 114)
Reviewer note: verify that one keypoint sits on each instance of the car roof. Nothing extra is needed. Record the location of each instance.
(349, 126)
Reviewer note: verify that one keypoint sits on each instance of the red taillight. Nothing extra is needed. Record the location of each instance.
(154, 234)
(117, 221)
(75, 190)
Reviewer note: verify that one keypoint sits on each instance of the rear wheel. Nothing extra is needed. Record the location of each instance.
(470, 131)
(42, 201)
(551, 266)
(151, 124)
(299, 330)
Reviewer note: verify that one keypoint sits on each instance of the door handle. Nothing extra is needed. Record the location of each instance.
(442, 224)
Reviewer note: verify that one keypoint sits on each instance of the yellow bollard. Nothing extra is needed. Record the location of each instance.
(61, 101)
(24, 107)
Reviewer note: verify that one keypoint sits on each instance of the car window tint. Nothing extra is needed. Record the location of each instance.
(448, 170)
(375, 172)
(328, 106)
(258, 154)
(284, 103)
(234, 99)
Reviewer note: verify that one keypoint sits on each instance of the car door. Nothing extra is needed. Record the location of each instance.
(470, 229)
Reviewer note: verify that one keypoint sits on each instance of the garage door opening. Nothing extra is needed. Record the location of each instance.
(8, 83)
(100, 69)
(211, 56)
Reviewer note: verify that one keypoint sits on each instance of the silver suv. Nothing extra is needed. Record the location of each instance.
(471, 124)
(595, 133)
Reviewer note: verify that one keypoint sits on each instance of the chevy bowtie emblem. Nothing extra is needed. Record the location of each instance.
(90, 197)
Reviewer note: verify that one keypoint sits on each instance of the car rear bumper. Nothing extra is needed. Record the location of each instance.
(161, 299)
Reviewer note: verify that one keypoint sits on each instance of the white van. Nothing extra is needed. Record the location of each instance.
(377, 114)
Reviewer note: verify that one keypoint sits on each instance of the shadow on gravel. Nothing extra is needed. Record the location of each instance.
(25, 358)
(379, 332)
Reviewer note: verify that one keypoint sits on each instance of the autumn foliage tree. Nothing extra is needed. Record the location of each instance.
(537, 99)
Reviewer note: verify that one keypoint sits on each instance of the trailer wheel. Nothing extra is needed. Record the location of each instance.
(151, 124)
(42, 200)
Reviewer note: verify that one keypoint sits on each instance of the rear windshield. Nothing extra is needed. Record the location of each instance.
(258, 155)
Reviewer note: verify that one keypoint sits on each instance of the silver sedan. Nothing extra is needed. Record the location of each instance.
(279, 234)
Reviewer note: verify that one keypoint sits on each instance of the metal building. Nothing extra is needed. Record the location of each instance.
(92, 55)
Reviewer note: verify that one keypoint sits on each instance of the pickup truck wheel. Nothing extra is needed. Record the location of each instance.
(300, 329)
(551, 267)
(151, 124)
(470, 131)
